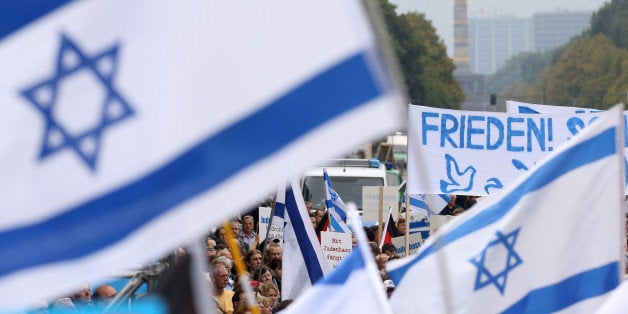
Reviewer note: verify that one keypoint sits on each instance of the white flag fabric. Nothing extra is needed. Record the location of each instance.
(129, 127)
(335, 206)
(428, 204)
(617, 301)
(553, 241)
(355, 286)
(302, 257)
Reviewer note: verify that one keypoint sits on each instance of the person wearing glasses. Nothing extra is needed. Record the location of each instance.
(210, 247)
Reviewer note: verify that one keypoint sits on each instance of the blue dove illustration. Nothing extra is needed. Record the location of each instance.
(458, 180)
(494, 183)
(519, 165)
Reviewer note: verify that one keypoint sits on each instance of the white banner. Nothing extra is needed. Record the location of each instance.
(477, 153)
(580, 118)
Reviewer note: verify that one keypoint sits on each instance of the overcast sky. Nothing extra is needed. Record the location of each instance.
(441, 12)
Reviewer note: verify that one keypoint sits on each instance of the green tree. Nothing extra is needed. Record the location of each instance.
(585, 73)
(611, 21)
(427, 70)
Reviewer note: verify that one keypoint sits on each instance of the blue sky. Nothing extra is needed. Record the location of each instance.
(441, 12)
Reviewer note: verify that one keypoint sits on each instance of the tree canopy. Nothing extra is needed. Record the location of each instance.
(427, 70)
(589, 71)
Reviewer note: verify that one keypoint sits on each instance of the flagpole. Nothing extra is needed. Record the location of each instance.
(381, 242)
(381, 209)
(241, 270)
(407, 232)
(270, 224)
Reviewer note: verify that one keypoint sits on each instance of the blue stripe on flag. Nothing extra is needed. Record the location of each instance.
(594, 149)
(445, 197)
(339, 276)
(582, 286)
(310, 258)
(419, 203)
(279, 210)
(69, 235)
(14, 14)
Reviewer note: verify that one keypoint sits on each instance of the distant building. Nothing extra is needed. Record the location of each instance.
(492, 41)
(554, 29)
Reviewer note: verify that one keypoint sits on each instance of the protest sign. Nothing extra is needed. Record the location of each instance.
(276, 232)
(336, 246)
(437, 221)
(377, 198)
(476, 153)
(415, 242)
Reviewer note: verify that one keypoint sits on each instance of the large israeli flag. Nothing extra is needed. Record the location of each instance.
(355, 286)
(129, 127)
(303, 259)
(553, 241)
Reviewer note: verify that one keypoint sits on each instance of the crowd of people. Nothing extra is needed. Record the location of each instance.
(263, 262)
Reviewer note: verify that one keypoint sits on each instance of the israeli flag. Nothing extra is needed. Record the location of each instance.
(427, 204)
(551, 242)
(335, 206)
(355, 286)
(129, 127)
(302, 257)
(277, 222)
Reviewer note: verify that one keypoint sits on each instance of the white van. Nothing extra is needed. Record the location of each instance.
(347, 176)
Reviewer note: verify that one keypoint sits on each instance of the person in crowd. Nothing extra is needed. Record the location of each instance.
(375, 249)
(210, 247)
(220, 278)
(313, 220)
(248, 235)
(401, 225)
(458, 211)
(228, 263)
(319, 214)
(389, 249)
(450, 207)
(471, 200)
(220, 235)
(272, 253)
(240, 305)
(82, 298)
(377, 233)
(265, 274)
(269, 290)
(223, 250)
(370, 235)
(276, 266)
(381, 260)
(103, 295)
(264, 305)
(236, 228)
(253, 260)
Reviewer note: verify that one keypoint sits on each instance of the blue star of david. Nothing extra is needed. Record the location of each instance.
(113, 107)
(510, 261)
(333, 195)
